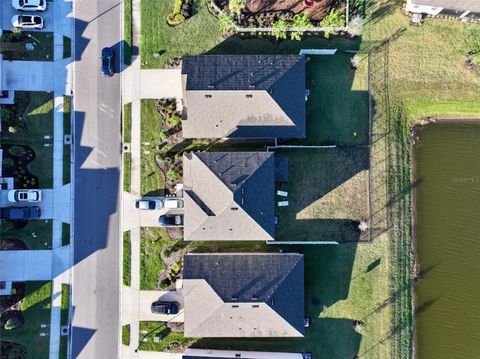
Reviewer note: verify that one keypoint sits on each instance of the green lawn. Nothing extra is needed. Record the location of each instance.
(327, 194)
(126, 334)
(36, 311)
(169, 341)
(42, 43)
(342, 283)
(153, 240)
(36, 234)
(39, 119)
(152, 180)
(127, 30)
(67, 130)
(65, 234)
(197, 35)
(127, 171)
(127, 123)
(127, 253)
(64, 319)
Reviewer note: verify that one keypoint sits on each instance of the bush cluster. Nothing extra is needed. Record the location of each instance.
(182, 10)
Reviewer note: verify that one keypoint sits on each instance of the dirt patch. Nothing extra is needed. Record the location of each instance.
(12, 244)
(317, 10)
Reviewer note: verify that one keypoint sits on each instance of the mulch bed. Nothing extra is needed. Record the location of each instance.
(18, 169)
(317, 11)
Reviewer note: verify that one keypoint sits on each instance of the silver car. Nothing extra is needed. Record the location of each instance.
(24, 195)
(27, 22)
(29, 5)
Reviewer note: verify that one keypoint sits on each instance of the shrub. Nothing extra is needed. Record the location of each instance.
(17, 151)
(333, 19)
(279, 29)
(236, 6)
(160, 157)
(8, 162)
(300, 21)
(12, 323)
(173, 174)
(226, 22)
(174, 120)
(355, 26)
(167, 253)
(175, 19)
(165, 283)
(176, 267)
(163, 135)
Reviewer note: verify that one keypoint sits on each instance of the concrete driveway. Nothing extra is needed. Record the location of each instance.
(55, 18)
(55, 203)
(148, 297)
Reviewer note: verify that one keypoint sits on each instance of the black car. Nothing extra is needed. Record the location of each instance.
(165, 307)
(171, 220)
(107, 61)
(20, 213)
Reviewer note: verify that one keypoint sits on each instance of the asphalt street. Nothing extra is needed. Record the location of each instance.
(97, 103)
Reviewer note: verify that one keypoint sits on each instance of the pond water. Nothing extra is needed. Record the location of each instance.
(447, 201)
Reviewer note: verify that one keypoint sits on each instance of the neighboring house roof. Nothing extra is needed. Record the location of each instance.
(229, 196)
(244, 295)
(244, 96)
(460, 5)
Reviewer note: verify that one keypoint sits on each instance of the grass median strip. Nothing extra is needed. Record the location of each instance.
(127, 260)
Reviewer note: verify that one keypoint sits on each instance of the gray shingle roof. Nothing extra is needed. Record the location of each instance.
(247, 295)
(244, 96)
(459, 5)
(229, 196)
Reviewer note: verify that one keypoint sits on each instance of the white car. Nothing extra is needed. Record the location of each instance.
(29, 5)
(173, 203)
(27, 22)
(24, 195)
(148, 204)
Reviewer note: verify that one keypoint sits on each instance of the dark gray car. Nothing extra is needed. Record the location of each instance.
(107, 61)
(165, 307)
(20, 213)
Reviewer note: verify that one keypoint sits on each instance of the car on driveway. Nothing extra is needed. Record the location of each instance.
(20, 213)
(165, 307)
(173, 203)
(29, 5)
(107, 61)
(27, 22)
(25, 195)
(148, 204)
(171, 220)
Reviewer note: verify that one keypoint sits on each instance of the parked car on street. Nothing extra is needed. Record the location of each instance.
(107, 61)
(165, 307)
(20, 213)
(148, 204)
(24, 195)
(173, 203)
(29, 5)
(169, 220)
(27, 22)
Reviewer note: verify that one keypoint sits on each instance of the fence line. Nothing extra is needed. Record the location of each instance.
(302, 242)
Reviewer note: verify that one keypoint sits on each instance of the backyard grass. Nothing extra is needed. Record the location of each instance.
(36, 234)
(67, 47)
(67, 130)
(39, 120)
(36, 311)
(127, 253)
(151, 177)
(198, 34)
(64, 319)
(42, 43)
(126, 334)
(127, 32)
(168, 340)
(329, 202)
(65, 234)
(153, 240)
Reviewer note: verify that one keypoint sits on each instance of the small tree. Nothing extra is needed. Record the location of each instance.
(333, 20)
(173, 174)
(300, 21)
(163, 135)
(12, 323)
(279, 29)
(236, 6)
(173, 120)
(226, 22)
